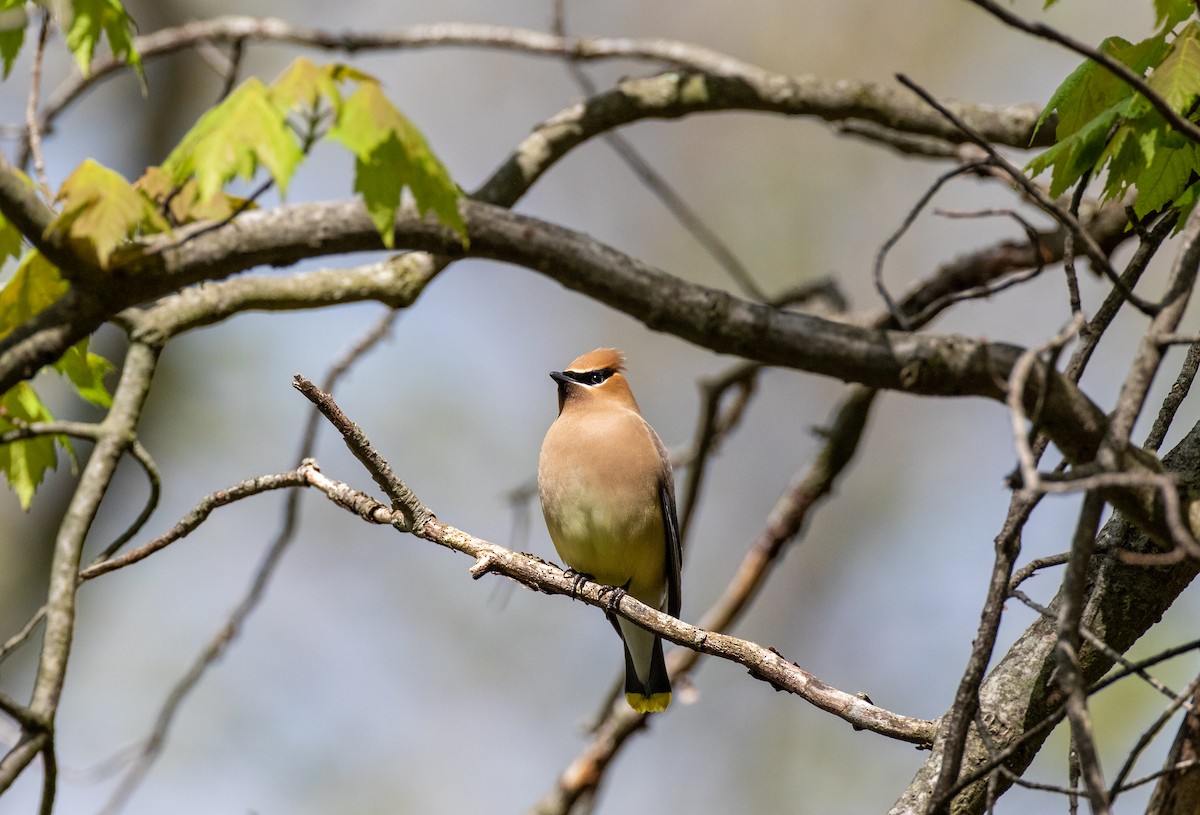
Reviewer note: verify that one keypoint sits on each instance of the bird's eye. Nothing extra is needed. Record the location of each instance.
(590, 378)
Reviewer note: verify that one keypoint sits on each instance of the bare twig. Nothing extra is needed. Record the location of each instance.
(32, 129)
(763, 663)
(898, 316)
(1181, 700)
(198, 515)
(835, 101)
(1091, 248)
(1174, 398)
(1067, 650)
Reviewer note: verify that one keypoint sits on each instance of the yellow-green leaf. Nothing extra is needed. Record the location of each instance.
(231, 141)
(13, 19)
(91, 17)
(10, 240)
(25, 462)
(304, 84)
(35, 286)
(1076, 154)
(1091, 89)
(86, 372)
(101, 210)
(391, 155)
(1169, 13)
(1177, 78)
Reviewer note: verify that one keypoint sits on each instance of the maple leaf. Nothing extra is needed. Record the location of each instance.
(232, 140)
(25, 462)
(101, 210)
(391, 154)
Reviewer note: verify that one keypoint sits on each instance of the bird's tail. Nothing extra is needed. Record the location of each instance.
(647, 686)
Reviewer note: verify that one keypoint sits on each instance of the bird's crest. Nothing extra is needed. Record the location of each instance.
(598, 360)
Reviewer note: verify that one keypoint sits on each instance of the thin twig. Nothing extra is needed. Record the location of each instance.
(900, 318)
(654, 181)
(34, 134)
(1066, 651)
(1174, 398)
(198, 515)
(1181, 700)
(1091, 248)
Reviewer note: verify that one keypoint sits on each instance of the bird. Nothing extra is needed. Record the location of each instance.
(608, 496)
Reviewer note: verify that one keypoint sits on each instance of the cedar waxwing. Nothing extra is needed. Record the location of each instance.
(608, 495)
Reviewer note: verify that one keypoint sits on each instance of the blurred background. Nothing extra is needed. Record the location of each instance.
(376, 676)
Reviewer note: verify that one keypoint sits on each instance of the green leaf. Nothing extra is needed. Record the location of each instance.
(1125, 157)
(13, 20)
(35, 286)
(91, 17)
(233, 139)
(1078, 153)
(86, 372)
(1185, 203)
(1091, 88)
(1169, 13)
(25, 462)
(1177, 77)
(1167, 175)
(101, 210)
(391, 154)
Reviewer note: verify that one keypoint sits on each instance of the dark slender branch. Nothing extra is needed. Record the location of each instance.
(898, 316)
(1174, 398)
(1091, 248)
(839, 100)
(1114, 66)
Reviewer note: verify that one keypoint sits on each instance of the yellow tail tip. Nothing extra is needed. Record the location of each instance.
(654, 703)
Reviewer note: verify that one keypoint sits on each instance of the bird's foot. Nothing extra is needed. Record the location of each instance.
(577, 580)
(615, 595)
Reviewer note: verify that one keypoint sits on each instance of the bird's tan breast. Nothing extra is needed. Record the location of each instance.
(599, 478)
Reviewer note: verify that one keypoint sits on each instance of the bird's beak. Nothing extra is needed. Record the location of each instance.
(560, 377)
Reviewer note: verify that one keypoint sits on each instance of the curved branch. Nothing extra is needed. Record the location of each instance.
(836, 100)
(77, 520)
(926, 364)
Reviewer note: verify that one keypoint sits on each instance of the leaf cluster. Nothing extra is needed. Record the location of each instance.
(1106, 127)
(82, 21)
(101, 216)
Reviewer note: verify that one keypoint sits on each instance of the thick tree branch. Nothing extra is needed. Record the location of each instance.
(925, 364)
(1123, 601)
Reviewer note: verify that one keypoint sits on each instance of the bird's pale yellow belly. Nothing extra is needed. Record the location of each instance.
(615, 539)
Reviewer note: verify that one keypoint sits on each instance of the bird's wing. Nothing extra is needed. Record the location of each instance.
(674, 553)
